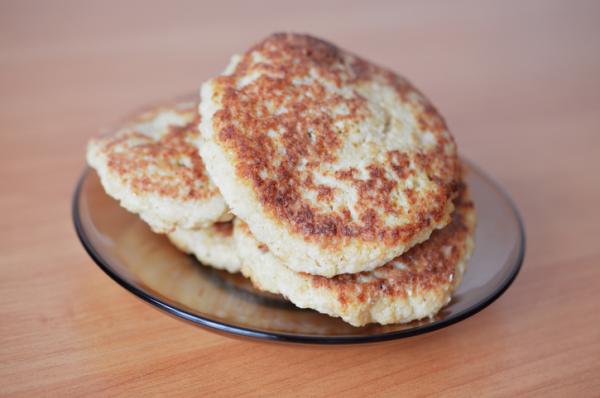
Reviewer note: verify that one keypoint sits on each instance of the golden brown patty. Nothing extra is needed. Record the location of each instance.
(412, 286)
(336, 164)
(152, 166)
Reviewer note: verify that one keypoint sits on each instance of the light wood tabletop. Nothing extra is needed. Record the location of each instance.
(519, 84)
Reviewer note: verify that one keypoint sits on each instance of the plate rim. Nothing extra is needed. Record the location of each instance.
(229, 330)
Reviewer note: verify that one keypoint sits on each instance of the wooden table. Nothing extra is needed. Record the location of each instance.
(519, 83)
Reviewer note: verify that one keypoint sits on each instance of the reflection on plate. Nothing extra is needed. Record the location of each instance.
(150, 267)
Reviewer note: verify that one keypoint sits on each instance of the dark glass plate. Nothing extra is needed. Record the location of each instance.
(148, 266)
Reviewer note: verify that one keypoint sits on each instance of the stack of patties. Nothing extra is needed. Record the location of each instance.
(152, 166)
(344, 180)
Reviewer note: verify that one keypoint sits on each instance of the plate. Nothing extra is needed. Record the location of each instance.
(148, 266)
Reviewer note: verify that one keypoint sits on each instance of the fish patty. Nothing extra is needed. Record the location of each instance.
(336, 164)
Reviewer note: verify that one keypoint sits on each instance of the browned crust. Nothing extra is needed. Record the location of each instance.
(309, 133)
(175, 180)
(225, 229)
(429, 265)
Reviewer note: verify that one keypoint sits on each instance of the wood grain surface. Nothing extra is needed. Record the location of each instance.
(519, 83)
